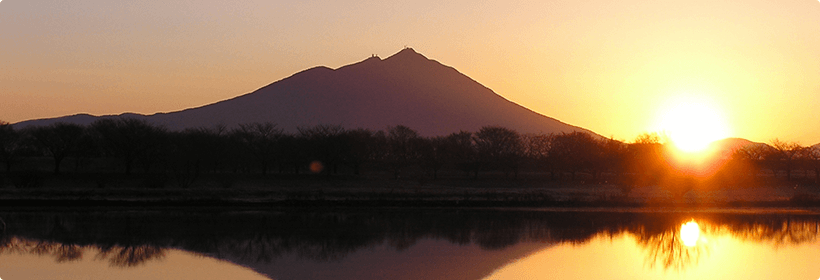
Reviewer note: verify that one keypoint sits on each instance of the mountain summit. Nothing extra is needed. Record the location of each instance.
(406, 88)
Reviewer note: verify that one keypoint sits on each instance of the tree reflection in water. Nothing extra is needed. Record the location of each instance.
(116, 256)
(131, 238)
(668, 249)
(776, 232)
(130, 255)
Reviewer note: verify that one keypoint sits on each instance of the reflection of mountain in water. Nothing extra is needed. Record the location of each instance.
(257, 239)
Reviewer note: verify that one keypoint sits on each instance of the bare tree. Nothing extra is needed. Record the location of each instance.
(749, 160)
(130, 139)
(576, 152)
(59, 140)
(402, 150)
(434, 154)
(461, 151)
(613, 157)
(326, 144)
(193, 152)
(499, 147)
(786, 155)
(644, 159)
(813, 156)
(260, 140)
(10, 145)
(648, 138)
(362, 150)
(538, 148)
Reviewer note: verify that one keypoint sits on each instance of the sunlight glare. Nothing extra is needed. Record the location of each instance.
(693, 126)
(690, 233)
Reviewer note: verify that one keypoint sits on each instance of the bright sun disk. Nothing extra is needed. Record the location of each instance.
(693, 126)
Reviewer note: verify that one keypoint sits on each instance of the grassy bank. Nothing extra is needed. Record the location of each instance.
(351, 191)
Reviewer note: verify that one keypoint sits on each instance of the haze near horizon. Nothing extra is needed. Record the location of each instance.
(611, 67)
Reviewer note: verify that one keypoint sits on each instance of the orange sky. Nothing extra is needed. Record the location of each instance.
(610, 66)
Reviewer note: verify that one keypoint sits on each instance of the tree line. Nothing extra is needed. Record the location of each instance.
(128, 146)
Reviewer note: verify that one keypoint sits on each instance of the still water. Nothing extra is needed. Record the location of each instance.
(389, 243)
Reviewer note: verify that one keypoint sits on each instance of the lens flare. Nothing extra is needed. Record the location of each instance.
(316, 166)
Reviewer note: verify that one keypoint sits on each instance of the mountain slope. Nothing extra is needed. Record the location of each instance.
(403, 89)
(726, 147)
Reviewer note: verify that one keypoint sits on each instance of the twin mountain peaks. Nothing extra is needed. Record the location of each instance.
(406, 88)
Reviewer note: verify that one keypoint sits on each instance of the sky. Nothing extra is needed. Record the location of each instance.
(614, 67)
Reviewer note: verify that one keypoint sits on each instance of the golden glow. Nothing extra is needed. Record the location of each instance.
(595, 64)
(690, 233)
(692, 126)
(623, 257)
(175, 264)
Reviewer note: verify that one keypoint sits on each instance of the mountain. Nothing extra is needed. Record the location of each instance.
(424, 259)
(726, 147)
(406, 88)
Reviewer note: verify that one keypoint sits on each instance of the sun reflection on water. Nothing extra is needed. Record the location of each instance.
(690, 233)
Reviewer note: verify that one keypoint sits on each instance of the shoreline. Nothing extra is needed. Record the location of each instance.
(376, 191)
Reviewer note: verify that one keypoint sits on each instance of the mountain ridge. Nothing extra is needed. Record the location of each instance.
(406, 88)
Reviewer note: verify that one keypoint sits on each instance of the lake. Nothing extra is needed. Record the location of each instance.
(398, 243)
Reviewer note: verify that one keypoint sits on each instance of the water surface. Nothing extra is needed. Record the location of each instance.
(387, 243)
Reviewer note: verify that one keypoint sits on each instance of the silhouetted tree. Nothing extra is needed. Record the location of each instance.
(402, 143)
(461, 151)
(295, 153)
(648, 138)
(217, 147)
(813, 156)
(327, 144)
(85, 149)
(58, 140)
(576, 152)
(613, 155)
(260, 141)
(9, 145)
(746, 162)
(362, 149)
(193, 152)
(644, 160)
(499, 147)
(380, 149)
(434, 154)
(129, 139)
(538, 149)
(785, 155)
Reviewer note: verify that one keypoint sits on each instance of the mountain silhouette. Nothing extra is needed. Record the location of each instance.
(726, 147)
(406, 88)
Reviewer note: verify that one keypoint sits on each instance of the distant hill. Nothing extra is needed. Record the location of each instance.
(726, 147)
(404, 89)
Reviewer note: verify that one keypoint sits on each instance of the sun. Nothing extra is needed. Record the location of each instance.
(690, 233)
(692, 126)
